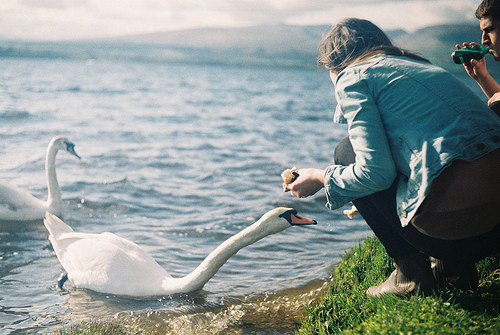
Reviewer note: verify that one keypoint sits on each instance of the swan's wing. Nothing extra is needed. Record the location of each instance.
(17, 204)
(56, 226)
(61, 232)
(110, 264)
(105, 243)
(107, 263)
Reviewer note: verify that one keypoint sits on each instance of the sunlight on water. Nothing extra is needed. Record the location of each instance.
(280, 312)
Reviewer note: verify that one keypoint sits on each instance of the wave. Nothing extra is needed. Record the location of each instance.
(15, 115)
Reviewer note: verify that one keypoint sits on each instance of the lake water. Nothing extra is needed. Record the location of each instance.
(177, 159)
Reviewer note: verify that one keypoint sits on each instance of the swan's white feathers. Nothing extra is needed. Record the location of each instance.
(102, 262)
(56, 226)
(18, 205)
(110, 264)
(15, 203)
(105, 266)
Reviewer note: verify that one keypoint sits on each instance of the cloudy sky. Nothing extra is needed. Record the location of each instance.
(74, 19)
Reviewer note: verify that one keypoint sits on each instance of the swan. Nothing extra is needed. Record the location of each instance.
(18, 205)
(107, 263)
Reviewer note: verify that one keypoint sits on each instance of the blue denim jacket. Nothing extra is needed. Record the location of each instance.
(409, 120)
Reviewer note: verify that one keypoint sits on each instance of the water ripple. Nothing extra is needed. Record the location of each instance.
(177, 159)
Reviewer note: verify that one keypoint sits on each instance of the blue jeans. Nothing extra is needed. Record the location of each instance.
(379, 212)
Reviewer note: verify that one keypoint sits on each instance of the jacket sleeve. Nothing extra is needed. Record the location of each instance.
(374, 169)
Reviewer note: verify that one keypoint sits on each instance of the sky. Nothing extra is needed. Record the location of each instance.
(83, 19)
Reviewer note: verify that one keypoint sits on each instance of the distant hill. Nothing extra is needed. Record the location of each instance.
(281, 45)
(286, 37)
(438, 42)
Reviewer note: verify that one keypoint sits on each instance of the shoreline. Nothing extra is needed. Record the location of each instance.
(346, 309)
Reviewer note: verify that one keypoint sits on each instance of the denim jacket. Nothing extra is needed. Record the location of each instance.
(408, 120)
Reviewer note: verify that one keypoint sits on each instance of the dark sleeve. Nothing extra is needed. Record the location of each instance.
(495, 106)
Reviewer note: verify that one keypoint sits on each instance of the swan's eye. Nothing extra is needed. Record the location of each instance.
(69, 146)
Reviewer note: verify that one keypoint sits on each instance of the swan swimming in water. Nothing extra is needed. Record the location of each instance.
(110, 264)
(19, 205)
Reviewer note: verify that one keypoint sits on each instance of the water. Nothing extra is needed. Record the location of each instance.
(177, 159)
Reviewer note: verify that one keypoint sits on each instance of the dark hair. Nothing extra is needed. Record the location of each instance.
(488, 8)
(353, 40)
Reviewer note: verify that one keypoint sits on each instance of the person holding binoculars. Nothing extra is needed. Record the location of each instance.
(488, 14)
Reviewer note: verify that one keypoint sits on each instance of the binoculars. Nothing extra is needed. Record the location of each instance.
(465, 54)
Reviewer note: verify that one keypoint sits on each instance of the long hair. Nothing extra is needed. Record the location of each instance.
(353, 40)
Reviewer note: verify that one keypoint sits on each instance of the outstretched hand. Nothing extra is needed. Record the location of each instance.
(309, 182)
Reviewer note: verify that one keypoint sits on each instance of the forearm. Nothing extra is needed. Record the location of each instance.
(477, 70)
(346, 183)
(488, 85)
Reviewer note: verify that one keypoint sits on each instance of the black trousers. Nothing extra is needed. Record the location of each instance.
(379, 212)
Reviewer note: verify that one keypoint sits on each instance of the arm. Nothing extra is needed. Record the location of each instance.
(374, 169)
(476, 69)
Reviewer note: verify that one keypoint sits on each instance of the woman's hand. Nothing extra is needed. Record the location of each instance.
(309, 182)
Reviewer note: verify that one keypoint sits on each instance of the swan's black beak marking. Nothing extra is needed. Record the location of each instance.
(296, 220)
(70, 147)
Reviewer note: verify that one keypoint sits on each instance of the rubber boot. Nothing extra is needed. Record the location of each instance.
(412, 275)
(461, 275)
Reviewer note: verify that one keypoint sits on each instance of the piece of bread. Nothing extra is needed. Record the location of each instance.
(351, 212)
(289, 175)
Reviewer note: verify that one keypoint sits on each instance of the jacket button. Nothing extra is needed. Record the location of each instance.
(480, 146)
(496, 139)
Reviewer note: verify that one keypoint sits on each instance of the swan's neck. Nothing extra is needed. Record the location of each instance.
(211, 264)
(54, 196)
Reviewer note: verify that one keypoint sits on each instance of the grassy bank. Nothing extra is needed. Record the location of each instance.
(346, 309)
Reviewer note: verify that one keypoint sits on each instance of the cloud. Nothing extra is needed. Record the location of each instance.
(71, 19)
(408, 15)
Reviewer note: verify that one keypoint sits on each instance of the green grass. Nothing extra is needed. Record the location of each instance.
(347, 309)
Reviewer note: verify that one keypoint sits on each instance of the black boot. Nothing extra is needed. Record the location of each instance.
(461, 275)
(412, 275)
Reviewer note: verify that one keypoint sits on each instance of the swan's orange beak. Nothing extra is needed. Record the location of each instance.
(297, 220)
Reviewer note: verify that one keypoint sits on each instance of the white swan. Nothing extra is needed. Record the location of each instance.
(19, 205)
(110, 264)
